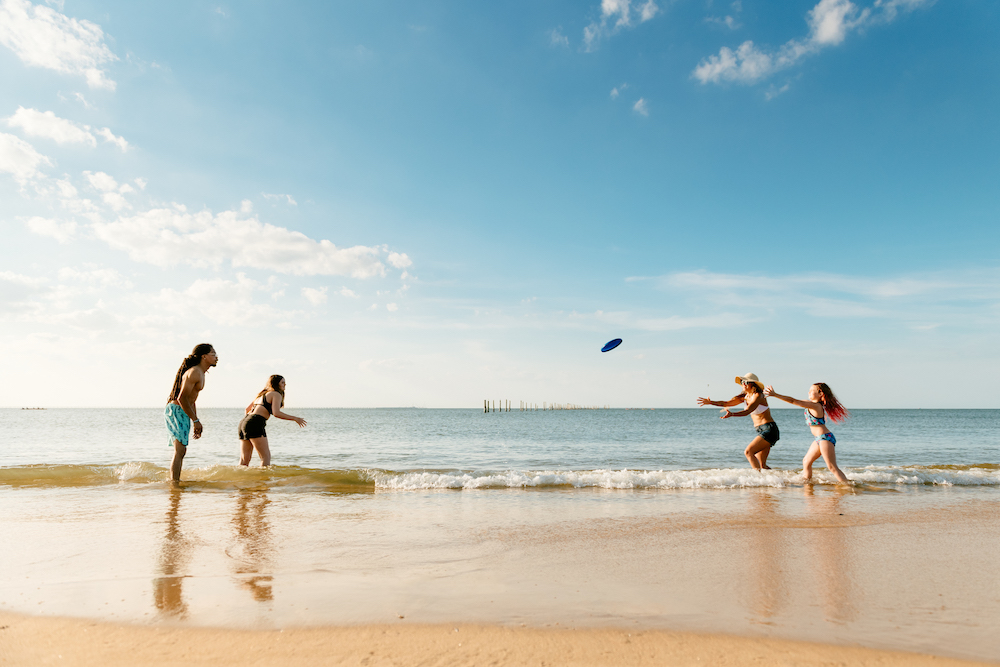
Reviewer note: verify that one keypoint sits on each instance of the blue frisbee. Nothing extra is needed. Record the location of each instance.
(611, 344)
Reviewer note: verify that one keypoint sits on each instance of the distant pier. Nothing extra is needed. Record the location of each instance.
(504, 405)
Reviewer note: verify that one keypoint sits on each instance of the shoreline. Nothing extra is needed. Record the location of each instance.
(33, 640)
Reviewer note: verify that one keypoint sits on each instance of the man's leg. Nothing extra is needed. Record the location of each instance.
(175, 465)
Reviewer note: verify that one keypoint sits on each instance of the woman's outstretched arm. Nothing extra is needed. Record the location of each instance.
(735, 400)
(276, 410)
(751, 406)
(809, 405)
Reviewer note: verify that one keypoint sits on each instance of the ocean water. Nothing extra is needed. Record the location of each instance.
(629, 518)
(410, 449)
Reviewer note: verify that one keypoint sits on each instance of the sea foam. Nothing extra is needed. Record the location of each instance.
(302, 478)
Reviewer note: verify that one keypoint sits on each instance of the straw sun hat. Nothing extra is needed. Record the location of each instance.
(750, 377)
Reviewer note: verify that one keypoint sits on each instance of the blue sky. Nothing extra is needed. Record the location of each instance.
(429, 204)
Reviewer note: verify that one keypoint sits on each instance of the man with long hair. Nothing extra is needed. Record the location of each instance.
(181, 412)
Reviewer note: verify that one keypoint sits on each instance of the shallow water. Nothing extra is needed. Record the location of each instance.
(582, 518)
(414, 449)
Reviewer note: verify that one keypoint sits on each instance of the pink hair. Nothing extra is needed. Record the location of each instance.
(835, 410)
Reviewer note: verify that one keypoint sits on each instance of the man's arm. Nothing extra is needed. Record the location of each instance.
(191, 385)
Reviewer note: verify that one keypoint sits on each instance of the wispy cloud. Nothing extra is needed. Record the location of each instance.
(42, 37)
(20, 159)
(47, 125)
(824, 295)
(226, 302)
(557, 38)
(315, 296)
(275, 197)
(616, 15)
(627, 320)
(61, 231)
(728, 21)
(830, 22)
(170, 236)
(641, 107)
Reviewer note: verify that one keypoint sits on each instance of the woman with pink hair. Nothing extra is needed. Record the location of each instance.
(822, 405)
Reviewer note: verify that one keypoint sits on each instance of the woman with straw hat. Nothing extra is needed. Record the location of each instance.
(767, 431)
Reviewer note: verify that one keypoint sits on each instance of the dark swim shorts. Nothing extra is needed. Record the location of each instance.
(253, 426)
(769, 432)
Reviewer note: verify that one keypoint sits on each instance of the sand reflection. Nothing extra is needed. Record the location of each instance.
(765, 560)
(830, 554)
(251, 553)
(168, 592)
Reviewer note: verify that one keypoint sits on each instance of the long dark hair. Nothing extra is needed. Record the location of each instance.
(273, 384)
(190, 361)
(834, 409)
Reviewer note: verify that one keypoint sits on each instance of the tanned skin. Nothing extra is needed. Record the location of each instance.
(192, 382)
(759, 448)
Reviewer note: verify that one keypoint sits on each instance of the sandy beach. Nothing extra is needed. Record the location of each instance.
(255, 576)
(44, 641)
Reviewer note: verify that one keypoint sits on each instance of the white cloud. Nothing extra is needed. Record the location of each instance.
(615, 15)
(727, 21)
(221, 301)
(288, 198)
(66, 189)
(641, 107)
(615, 92)
(20, 158)
(166, 237)
(830, 21)
(246, 206)
(774, 91)
(315, 296)
(557, 38)
(60, 231)
(391, 307)
(348, 293)
(110, 137)
(42, 37)
(98, 277)
(832, 295)
(115, 201)
(399, 260)
(46, 124)
(101, 181)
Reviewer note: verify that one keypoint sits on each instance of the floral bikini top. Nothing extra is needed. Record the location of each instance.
(814, 421)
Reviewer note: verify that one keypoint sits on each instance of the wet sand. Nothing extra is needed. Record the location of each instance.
(254, 575)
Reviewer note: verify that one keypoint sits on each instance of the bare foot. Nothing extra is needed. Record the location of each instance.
(766, 467)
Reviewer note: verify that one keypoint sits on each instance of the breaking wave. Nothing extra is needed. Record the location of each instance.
(366, 479)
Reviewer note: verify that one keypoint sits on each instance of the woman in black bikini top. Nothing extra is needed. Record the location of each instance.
(252, 429)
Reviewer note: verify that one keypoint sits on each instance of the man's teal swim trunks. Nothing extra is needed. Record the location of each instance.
(178, 424)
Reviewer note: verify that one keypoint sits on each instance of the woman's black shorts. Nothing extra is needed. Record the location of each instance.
(252, 426)
(769, 432)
